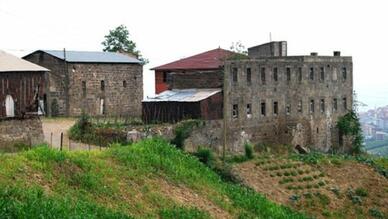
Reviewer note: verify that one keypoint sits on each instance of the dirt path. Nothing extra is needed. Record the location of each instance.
(56, 127)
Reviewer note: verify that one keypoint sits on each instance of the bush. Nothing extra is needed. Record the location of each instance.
(349, 125)
(361, 192)
(248, 151)
(183, 131)
(205, 155)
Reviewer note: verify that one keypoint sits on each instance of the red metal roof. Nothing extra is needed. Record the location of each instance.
(208, 60)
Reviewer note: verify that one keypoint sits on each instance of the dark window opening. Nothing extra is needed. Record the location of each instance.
(312, 74)
(102, 85)
(288, 74)
(300, 76)
(322, 74)
(344, 103)
(275, 108)
(344, 74)
(263, 112)
(124, 83)
(235, 111)
(317, 130)
(335, 104)
(164, 77)
(275, 74)
(312, 106)
(83, 88)
(322, 105)
(234, 74)
(249, 75)
(262, 75)
(249, 110)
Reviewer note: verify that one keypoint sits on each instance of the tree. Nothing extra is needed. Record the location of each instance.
(118, 41)
(239, 51)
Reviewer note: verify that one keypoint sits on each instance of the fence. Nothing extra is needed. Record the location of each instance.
(61, 142)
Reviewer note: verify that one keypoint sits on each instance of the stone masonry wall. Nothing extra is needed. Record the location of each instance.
(122, 93)
(20, 131)
(293, 92)
(198, 79)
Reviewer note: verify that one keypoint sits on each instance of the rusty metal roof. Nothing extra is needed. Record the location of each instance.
(11, 63)
(184, 95)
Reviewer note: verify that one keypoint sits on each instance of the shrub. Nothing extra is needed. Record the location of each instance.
(349, 125)
(183, 131)
(248, 151)
(205, 155)
(361, 192)
(374, 212)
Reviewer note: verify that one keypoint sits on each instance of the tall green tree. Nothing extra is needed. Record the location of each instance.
(118, 41)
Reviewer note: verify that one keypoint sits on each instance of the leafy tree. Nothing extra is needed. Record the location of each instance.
(118, 41)
(349, 125)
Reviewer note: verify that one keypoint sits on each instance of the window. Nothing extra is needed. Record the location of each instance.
(312, 74)
(312, 106)
(322, 74)
(335, 104)
(275, 108)
(300, 106)
(275, 74)
(235, 111)
(300, 74)
(102, 85)
(288, 74)
(322, 103)
(288, 109)
(262, 75)
(124, 84)
(249, 110)
(164, 77)
(234, 74)
(83, 88)
(344, 104)
(263, 112)
(249, 75)
(344, 74)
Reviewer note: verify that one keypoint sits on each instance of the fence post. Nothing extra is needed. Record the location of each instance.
(51, 140)
(61, 145)
(69, 144)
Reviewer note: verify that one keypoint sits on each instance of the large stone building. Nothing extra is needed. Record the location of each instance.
(274, 98)
(98, 83)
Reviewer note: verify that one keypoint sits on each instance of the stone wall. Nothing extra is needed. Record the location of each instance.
(123, 85)
(292, 90)
(20, 131)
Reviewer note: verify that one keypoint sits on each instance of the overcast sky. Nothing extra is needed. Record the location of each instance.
(172, 29)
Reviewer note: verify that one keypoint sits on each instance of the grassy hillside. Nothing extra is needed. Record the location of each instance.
(149, 179)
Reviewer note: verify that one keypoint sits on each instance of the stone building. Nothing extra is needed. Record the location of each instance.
(98, 83)
(296, 100)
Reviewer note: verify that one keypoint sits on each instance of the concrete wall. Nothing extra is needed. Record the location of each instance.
(118, 99)
(312, 129)
(268, 50)
(20, 131)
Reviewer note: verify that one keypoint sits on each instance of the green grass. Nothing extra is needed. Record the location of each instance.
(120, 182)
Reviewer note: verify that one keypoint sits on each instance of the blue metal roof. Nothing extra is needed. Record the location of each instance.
(184, 95)
(97, 57)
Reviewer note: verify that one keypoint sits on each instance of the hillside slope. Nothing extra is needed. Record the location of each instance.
(149, 179)
(324, 186)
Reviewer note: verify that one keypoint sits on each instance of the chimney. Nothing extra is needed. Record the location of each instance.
(314, 54)
(337, 53)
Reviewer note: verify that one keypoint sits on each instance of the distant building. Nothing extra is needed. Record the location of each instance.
(22, 87)
(98, 83)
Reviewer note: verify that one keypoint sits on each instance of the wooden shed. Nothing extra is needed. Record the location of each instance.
(176, 105)
(22, 87)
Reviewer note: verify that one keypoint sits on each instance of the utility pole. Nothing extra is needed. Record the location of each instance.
(67, 82)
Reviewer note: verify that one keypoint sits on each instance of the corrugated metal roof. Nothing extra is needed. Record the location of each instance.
(10, 63)
(212, 59)
(97, 57)
(184, 95)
